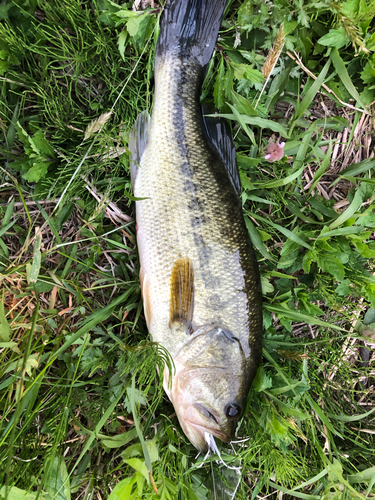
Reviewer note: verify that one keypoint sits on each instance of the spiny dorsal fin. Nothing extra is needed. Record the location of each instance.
(218, 133)
(182, 292)
(138, 138)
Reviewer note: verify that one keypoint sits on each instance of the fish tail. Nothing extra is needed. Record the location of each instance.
(189, 28)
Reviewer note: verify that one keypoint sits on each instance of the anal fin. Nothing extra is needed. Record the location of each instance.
(182, 293)
(138, 139)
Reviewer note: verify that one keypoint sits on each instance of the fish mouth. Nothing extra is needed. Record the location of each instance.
(214, 432)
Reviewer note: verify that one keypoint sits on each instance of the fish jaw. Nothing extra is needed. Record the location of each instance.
(193, 415)
(195, 431)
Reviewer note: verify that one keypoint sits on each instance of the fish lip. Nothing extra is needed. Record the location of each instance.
(220, 435)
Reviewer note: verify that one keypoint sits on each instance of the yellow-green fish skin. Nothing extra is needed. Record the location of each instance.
(191, 211)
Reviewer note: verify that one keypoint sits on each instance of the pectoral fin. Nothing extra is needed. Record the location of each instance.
(182, 293)
(138, 139)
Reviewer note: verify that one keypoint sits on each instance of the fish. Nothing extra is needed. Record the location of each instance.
(199, 276)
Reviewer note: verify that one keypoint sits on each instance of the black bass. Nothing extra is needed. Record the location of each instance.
(199, 277)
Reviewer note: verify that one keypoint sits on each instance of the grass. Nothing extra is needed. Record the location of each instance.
(83, 412)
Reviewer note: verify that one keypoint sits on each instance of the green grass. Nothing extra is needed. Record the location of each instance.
(82, 409)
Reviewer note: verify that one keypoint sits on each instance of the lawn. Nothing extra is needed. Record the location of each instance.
(83, 414)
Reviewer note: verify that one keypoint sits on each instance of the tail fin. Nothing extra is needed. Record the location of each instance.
(191, 27)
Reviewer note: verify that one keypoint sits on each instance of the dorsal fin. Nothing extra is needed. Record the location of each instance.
(218, 133)
(138, 139)
(182, 293)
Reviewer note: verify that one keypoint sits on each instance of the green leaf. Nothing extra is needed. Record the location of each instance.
(123, 489)
(266, 286)
(42, 145)
(119, 439)
(312, 91)
(133, 24)
(323, 167)
(58, 480)
(293, 493)
(298, 317)
(126, 14)
(322, 416)
(7, 344)
(363, 476)
(286, 409)
(335, 38)
(37, 171)
(350, 211)
(219, 94)
(344, 288)
(140, 29)
(256, 240)
(4, 325)
(147, 461)
(290, 26)
(37, 260)
(330, 264)
(280, 182)
(261, 381)
(246, 71)
(243, 106)
(295, 388)
(257, 122)
(342, 231)
(359, 168)
(139, 465)
(286, 232)
(344, 75)
(123, 36)
(368, 73)
(351, 418)
(139, 397)
(15, 493)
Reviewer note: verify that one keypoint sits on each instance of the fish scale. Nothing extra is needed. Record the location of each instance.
(193, 242)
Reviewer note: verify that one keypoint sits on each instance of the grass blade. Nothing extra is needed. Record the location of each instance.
(286, 232)
(256, 241)
(344, 75)
(240, 119)
(299, 317)
(350, 211)
(140, 434)
(311, 93)
(280, 182)
(256, 121)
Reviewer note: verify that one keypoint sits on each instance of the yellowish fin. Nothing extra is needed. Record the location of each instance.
(182, 293)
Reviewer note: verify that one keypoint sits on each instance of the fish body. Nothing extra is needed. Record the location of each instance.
(199, 277)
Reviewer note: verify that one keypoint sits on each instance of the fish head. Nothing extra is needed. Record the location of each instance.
(209, 386)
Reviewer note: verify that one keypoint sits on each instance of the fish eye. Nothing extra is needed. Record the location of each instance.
(233, 410)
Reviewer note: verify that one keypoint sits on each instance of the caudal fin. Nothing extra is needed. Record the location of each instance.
(190, 28)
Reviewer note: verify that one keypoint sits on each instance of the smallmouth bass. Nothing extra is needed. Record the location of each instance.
(199, 277)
